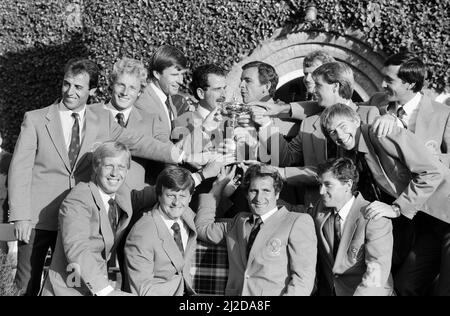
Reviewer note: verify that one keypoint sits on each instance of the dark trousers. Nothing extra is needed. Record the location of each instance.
(429, 257)
(31, 260)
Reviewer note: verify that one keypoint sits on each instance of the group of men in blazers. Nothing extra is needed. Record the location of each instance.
(373, 178)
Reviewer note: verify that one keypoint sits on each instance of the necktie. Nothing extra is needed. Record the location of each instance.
(401, 114)
(177, 236)
(337, 233)
(257, 222)
(171, 114)
(120, 119)
(74, 147)
(113, 214)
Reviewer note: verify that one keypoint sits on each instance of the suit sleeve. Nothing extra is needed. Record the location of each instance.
(74, 222)
(139, 259)
(445, 147)
(207, 229)
(426, 171)
(21, 170)
(378, 256)
(372, 114)
(144, 146)
(301, 110)
(302, 252)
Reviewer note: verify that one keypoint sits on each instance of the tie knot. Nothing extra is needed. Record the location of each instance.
(75, 115)
(256, 220)
(176, 227)
(112, 202)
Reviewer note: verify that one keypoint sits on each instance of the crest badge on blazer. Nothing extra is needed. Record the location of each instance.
(274, 247)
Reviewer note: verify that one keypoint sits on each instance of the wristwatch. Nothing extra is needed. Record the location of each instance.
(396, 210)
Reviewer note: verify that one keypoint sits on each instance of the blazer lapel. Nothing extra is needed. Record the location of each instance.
(326, 233)
(168, 242)
(242, 231)
(124, 202)
(54, 129)
(349, 229)
(135, 118)
(91, 129)
(366, 146)
(425, 112)
(319, 141)
(105, 226)
(192, 232)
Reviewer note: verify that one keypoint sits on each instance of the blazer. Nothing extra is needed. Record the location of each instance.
(282, 260)
(151, 103)
(363, 260)
(40, 175)
(85, 239)
(403, 168)
(143, 171)
(308, 149)
(432, 124)
(154, 264)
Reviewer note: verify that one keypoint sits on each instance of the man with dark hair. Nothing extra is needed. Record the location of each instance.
(354, 253)
(167, 68)
(270, 251)
(311, 62)
(334, 83)
(92, 221)
(399, 166)
(52, 155)
(258, 82)
(403, 104)
(161, 245)
(208, 86)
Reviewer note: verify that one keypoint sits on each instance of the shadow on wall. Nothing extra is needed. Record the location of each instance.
(31, 79)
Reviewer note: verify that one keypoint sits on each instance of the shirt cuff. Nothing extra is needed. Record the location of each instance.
(197, 179)
(181, 157)
(105, 292)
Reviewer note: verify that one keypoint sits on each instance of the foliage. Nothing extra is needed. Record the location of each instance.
(7, 287)
(39, 36)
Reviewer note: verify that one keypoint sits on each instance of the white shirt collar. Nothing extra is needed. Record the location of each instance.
(343, 212)
(161, 95)
(105, 198)
(202, 111)
(114, 111)
(266, 216)
(66, 113)
(412, 104)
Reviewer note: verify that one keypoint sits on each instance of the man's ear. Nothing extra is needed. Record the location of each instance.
(349, 184)
(92, 91)
(156, 74)
(336, 88)
(201, 93)
(267, 87)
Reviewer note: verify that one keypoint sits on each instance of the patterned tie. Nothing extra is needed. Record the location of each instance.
(113, 215)
(401, 114)
(177, 236)
(257, 222)
(74, 147)
(337, 232)
(169, 109)
(121, 119)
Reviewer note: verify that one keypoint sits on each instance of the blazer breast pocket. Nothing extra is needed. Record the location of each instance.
(274, 249)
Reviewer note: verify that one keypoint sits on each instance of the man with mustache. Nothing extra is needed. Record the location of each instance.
(418, 184)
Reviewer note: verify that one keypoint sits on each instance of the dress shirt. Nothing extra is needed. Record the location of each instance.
(67, 122)
(105, 198)
(267, 215)
(411, 109)
(202, 111)
(183, 227)
(163, 97)
(343, 212)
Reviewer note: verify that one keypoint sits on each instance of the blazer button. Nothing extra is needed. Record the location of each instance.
(247, 276)
(336, 276)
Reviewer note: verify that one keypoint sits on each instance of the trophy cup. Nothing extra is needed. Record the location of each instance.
(232, 111)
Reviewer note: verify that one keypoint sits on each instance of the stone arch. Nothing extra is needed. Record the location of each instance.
(286, 54)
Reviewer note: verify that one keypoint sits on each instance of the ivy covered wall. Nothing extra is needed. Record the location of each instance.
(38, 37)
